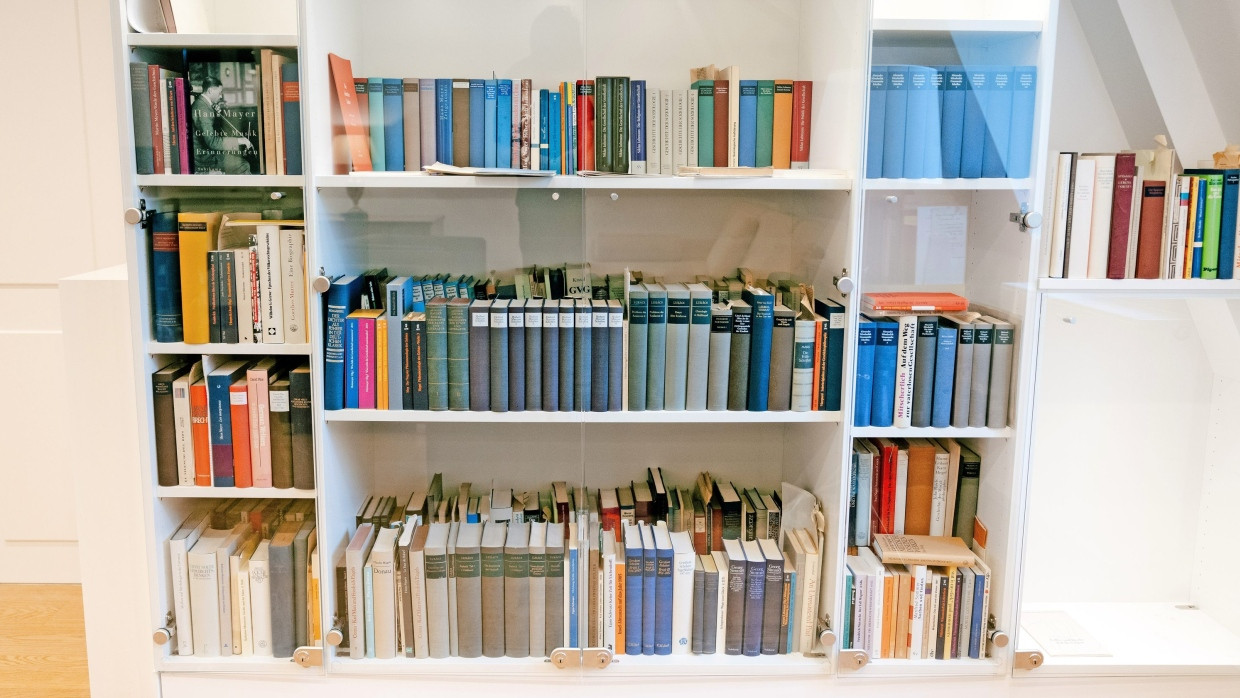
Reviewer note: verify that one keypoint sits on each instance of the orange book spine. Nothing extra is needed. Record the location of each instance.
(239, 406)
(201, 433)
(620, 592)
(351, 123)
(781, 135)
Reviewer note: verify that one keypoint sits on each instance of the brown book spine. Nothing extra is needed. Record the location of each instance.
(157, 126)
(721, 123)
(165, 428)
(919, 490)
(1149, 233)
(460, 123)
(281, 435)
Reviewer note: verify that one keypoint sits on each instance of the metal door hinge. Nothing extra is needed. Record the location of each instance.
(853, 659)
(1027, 659)
(307, 657)
(1027, 219)
(592, 657)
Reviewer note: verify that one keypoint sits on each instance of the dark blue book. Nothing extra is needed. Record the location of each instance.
(166, 278)
(944, 376)
(554, 115)
(516, 355)
(533, 354)
(998, 112)
(352, 363)
(477, 122)
(1020, 139)
(973, 130)
(656, 345)
(875, 122)
(932, 167)
(894, 115)
(662, 590)
(834, 313)
(443, 121)
(923, 369)
(755, 598)
(393, 124)
(649, 565)
(863, 399)
(480, 356)
(886, 352)
(343, 297)
(544, 130)
(747, 143)
(955, 89)
(415, 298)
(979, 625)
(499, 355)
(413, 361)
(760, 331)
(615, 356)
(551, 356)
(568, 354)
(921, 99)
(633, 582)
(600, 343)
(219, 418)
(637, 124)
(582, 355)
(290, 100)
(503, 123)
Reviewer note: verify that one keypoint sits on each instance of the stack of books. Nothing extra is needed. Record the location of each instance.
(223, 423)
(916, 368)
(246, 579)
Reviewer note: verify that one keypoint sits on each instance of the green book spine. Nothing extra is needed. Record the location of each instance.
(706, 122)
(603, 124)
(1214, 214)
(458, 354)
(766, 121)
(437, 353)
(620, 124)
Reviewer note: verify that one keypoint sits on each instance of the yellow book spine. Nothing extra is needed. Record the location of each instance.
(196, 234)
(781, 132)
(381, 363)
(950, 610)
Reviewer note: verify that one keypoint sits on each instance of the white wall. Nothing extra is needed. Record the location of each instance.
(58, 203)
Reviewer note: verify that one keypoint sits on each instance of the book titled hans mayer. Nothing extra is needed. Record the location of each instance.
(224, 115)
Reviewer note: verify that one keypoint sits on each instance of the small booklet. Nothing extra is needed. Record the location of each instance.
(441, 169)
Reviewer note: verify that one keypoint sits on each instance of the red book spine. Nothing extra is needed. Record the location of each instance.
(820, 344)
(182, 125)
(610, 521)
(238, 401)
(721, 124)
(887, 505)
(1121, 214)
(157, 128)
(585, 126)
(802, 101)
(201, 433)
(1149, 234)
(876, 496)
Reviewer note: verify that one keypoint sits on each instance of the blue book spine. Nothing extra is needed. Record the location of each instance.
(894, 115)
(944, 377)
(220, 420)
(568, 356)
(663, 601)
(998, 113)
(570, 135)
(553, 131)
(649, 565)
(290, 102)
(676, 354)
(1227, 223)
(920, 97)
(477, 122)
(533, 355)
(490, 121)
(755, 596)
(503, 124)
(550, 356)
(399, 293)
(1020, 139)
(573, 602)
(955, 89)
(166, 278)
(343, 297)
(875, 122)
(352, 369)
(582, 353)
(865, 373)
(414, 298)
(600, 343)
(443, 121)
(834, 312)
(394, 124)
(973, 129)
(637, 120)
(633, 608)
(886, 349)
(516, 356)
(933, 162)
(378, 141)
(760, 348)
(639, 333)
(656, 349)
(978, 623)
(615, 357)
(544, 129)
(499, 356)
(1199, 229)
(747, 146)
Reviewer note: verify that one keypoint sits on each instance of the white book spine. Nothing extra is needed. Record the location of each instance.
(260, 606)
(535, 136)
(353, 578)
(1134, 223)
(906, 354)
(204, 604)
(164, 120)
(682, 593)
(807, 579)
(417, 587)
(931, 621)
(270, 286)
(183, 429)
(178, 562)
(224, 600)
(1100, 227)
(653, 131)
(1080, 230)
(691, 128)
(292, 269)
(245, 295)
(901, 490)
(246, 608)
(438, 644)
(916, 621)
(1173, 264)
(878, 651)
(938, 494)
(383, 582)
(235, 607)
(679, 149)
(667, 161)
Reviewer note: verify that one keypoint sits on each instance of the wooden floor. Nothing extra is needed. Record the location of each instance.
(42, 641)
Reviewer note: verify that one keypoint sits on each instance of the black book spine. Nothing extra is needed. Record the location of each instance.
(213, 295)
(302, 427)
(479, 356)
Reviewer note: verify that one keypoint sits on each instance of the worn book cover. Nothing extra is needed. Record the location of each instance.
(224, 115)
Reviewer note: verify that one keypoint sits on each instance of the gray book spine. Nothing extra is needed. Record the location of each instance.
(516, 356)
(615, 355)
(923, 369)
(679, 311)
(699, 599)
(1000, 374)
(735, 625)
(493, 593)
(458, 354)
(738, 361)
(479, 356)
(964, 374)
(537, 623)
(404, 587)
(779, 392)
(437, 602)
(720, 356)
(696, 380)
(283, 611)
(469, 601)
(301, 567)
(144, 148)
(979, 385)
(555, 588)
(772, 605)
(568, 357)
(638, 335)
(600, 344)
(710, 612)
(656, 346)
(499, 356)
(551, 356)
(533, 354)
(517, 593)
(582, 355)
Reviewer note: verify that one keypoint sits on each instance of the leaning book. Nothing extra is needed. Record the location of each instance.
(224, 115)
(922, 550)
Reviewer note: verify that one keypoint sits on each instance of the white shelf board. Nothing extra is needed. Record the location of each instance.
(218, 348)
(182, 492)
(233, 665)
(622, 665)
(236, 181)
(1162, 287)
(795, 180)
(934, 432)
(1142, 639)
(162, 40)
(941, 184)
(894, 668)
(929, 26)
(538, 416)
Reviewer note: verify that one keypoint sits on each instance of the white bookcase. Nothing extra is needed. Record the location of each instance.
(825, 223)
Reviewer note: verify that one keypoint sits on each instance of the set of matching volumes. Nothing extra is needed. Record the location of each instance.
(917, 369)
(229, 278)
(221, 114)
(527, 573)
(1128, 216)
(950, 121)
(610, 124)
(916, 597)
(233, 423)
(246, 579)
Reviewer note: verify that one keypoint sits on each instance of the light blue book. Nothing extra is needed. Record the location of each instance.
(368, 592)
(656, 345)
(574, 603)
(944, 376)
(394, 124)
(1020, 140)
(428, 287)
(374, 99)
(875, 123)
(429, 129)
(864, 387)
(679, 310)
(503, 124)
(922, 99)
(973, 130)
(477, 122)
(747, 145)
(490, 121)
(932, 167)
(894, 115)
(998, 112)
(399, 301)
(698, 357)
(886, 352)
(638, 336)
(955, 90)
(443, 121)
(554, 130)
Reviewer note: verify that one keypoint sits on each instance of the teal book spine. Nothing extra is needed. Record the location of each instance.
(706, 122)
(763, 324)
(747, 141)
(656, 346)
(698, 357)
(638, 336)
(765, 123)
(490, 122)
(437, 353)
(679, 311)
(458, 354)
(374, 94)
(477, 122)
(394, 124)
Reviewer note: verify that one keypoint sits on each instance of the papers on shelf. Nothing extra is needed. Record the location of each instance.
(441, 169)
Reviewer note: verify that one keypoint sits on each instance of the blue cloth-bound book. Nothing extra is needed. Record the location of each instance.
(998, 112)
(922, 99)
(955, 89)
(166, 278)
(477, 122)
(755, 598)
(583, 354)
(291, 104)
(637, 122)
(533, 354)
(662, 590)
(633, 565)
(568, 355)
(944, 377)
(876, 122)
(544, 131)
(219, 418)
(600, 343)
(499, 355)
(973, 133)
(1020, 140)
(343, 297)
(393, 124)
(443, 121)
(615, 356)
(516, 355)
(638, 336)
(747, 145)
(553, 130)
(503, 124)
(932, 167)
(1228, 220)
(763, 325)
(834, 313)
(886, 348)
(864, 387)
(551, 356)
(649, 565)
(894, 116)
(490, 121)
(374, 97)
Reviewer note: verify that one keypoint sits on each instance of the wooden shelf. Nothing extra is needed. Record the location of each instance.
(234, 181)
(784, 180)
(179, 41)
(239, 349)
(181, 492)
(1153, 287)
(940, 184)
(934, 432)
(538, 416)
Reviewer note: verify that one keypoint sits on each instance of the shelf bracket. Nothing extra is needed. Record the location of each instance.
(307, 657)
(565, 657)
(1027, 659)
(853, 659)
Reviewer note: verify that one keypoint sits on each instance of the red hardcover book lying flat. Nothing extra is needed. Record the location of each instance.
(914, 301)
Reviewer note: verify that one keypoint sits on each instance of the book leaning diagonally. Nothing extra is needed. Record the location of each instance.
(922, 550)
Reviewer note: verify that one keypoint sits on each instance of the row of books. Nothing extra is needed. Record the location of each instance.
(1129, 216)
(904, 610)
(233, 423)
(225, 113)
(245, 579)
(231, 278)
(609, 124)
(914, 487)
(923, 370)
(950, 121)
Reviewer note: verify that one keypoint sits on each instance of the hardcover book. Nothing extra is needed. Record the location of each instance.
(224, 115)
